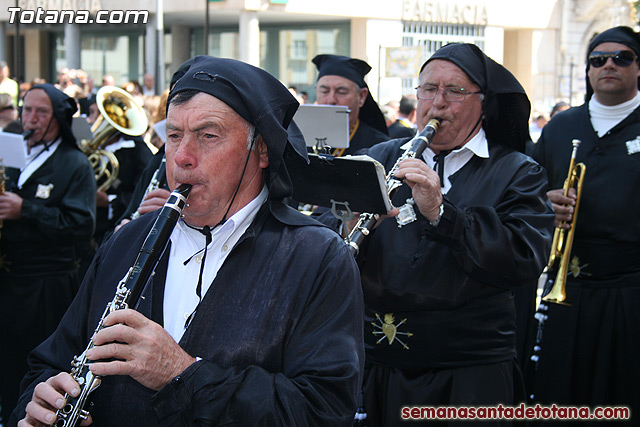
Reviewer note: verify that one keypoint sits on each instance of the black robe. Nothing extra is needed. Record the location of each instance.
(399, 129)
(279, 332)
(590, 349)
(366, 136)
(38, 272)
(439, 313)
(133, 161)
(142, 185)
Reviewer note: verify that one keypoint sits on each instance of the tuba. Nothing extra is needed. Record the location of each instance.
(119, 112)
(563, 239)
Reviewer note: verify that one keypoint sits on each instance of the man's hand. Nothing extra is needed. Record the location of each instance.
(424, 184)
(10, 206)
(47, 398)
(563, 206)
(154, 200)
(142, 349)
(102, 199)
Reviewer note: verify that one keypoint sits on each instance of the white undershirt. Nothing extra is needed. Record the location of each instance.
(180, 298)
(458, 158)
(605, 117)
(36, 158)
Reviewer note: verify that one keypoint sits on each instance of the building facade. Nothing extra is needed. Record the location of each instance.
(543, 43)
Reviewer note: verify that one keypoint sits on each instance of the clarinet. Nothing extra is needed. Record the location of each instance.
(367, 221)
(154, 184)
(127, 294)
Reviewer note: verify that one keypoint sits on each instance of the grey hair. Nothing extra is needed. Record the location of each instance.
(251, 133)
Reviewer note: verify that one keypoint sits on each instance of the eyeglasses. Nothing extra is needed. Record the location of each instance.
(451, 94)
(622, 58)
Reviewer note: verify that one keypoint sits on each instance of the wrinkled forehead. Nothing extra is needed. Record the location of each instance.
(37, 98)
(201, 106)
(445, 73)
(333, 81)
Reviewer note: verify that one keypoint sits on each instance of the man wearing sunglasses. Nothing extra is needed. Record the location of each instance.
(590, 349)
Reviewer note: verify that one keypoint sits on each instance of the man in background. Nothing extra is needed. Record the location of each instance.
(49, 208)
(7, 84)
(341, 82)
(589, 349)
(405, 124)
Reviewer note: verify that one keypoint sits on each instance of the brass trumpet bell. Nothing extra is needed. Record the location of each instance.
(119, 112)
(563, 239)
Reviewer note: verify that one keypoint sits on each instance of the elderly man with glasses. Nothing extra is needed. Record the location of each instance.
(589, 350)
(439, 313)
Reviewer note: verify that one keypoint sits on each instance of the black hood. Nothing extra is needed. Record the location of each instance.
(64, 108)
(506, 107)
(261, 100)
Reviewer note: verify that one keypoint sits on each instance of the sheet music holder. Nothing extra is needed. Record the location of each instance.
(81, 129)
(324, 125)
(348, 184)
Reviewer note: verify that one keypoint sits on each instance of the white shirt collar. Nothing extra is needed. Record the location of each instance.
(605, 117)
(455, 160)
(180, 297)
(38, 155)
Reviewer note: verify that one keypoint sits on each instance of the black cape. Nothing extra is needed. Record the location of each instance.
(279, 332)
(365, 137)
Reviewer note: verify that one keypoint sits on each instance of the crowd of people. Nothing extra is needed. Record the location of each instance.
(258, 314)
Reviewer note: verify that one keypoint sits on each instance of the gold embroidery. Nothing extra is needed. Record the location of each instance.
(390, 331)
(576, 269)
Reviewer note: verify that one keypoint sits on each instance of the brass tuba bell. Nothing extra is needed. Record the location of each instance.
(119, 112)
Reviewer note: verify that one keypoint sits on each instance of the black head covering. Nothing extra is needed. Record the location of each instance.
(354, 70)
(64, 108)
(622, 35)
(261, 100)
(506, 107)
(181, 71)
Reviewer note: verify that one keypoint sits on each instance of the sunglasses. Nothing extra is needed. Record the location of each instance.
(622, 58)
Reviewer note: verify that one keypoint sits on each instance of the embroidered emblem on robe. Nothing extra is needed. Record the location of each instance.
(44, 191)
(633, 146)
(389, 330)
(575, 269)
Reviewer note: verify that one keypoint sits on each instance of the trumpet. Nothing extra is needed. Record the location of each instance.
(563, 239)
(367, 221)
